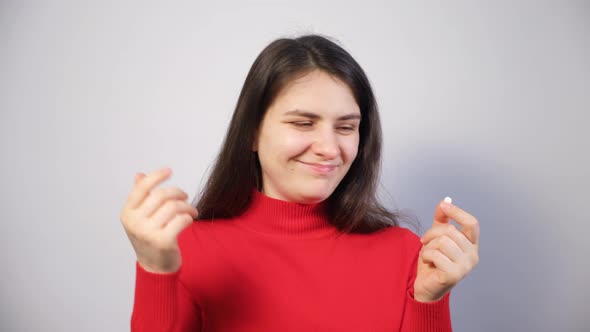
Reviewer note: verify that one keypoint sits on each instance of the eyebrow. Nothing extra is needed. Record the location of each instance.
(314, 116)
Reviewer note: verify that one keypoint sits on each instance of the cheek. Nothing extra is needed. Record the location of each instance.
(293, 144)
(350, 149)
(284, 147)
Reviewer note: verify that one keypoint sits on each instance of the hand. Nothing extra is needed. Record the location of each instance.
(448, 254)
(153, 218)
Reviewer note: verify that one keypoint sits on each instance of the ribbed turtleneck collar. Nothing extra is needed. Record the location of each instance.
(277, 217)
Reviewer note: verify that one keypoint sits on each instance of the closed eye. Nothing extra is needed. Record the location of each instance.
(302, 123)
(309, 124)
(346, 130)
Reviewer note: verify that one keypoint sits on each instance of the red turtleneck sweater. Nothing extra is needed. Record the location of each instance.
(282, 266)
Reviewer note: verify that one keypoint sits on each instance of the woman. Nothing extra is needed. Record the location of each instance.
(290, 235)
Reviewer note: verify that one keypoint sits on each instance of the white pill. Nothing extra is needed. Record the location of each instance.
(448, 200)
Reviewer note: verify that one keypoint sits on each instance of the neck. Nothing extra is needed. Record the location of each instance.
(277, 217)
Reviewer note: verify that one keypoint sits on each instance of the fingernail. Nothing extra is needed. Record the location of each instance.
(446, 203)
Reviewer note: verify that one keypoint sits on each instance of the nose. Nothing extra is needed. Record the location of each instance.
(326, 144)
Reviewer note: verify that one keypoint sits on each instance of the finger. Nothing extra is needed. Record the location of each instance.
(138, 177)
(158, 197)
(440, 217)
(452, 232)
(469, 224)
(143, 186)
(170, 210)
(435, 232)
(448, 247)
(438, 259)
(177, 225)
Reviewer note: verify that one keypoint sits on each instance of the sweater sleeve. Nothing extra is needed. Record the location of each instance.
(162, 303)
(420, 316)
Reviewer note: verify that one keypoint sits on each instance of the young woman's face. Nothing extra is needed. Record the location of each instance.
(308, 139)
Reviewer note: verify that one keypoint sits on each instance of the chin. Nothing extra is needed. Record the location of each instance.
(315, 195)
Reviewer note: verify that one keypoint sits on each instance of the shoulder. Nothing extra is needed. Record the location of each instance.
(399, 239)
(399, 233)
(203, 229)
(202, 242)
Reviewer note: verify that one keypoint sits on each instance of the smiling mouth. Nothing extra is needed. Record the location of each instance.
(321, 168)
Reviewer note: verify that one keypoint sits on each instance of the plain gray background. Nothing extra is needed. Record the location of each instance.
(484, 101)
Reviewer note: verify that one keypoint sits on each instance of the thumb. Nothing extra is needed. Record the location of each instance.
(440, 217)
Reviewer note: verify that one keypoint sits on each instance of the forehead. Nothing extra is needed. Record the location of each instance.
(316, 92)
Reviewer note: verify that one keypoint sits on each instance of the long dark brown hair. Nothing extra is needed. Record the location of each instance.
(353, 206)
